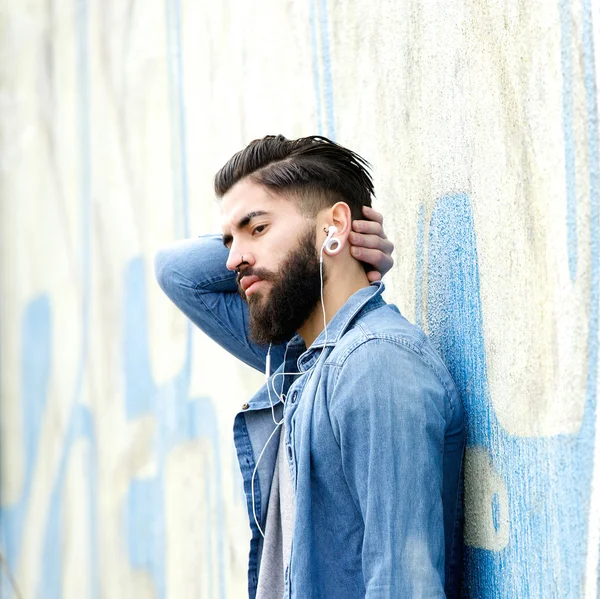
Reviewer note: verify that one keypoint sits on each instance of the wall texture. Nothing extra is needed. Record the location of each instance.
(480, 117)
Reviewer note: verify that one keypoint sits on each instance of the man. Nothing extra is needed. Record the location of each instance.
(351, 453)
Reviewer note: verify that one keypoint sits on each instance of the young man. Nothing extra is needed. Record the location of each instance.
(351, 453)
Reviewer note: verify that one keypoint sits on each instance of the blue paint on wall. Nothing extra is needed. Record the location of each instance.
(566, 55)
(594, 220)
(496, 512)
(328, 79)
(542, 475)
(315, 65)
(324, 94)
(35, 361)
(420, 266)
(178, 120)
(81, 426)
(145, 529)
(140, 390)
(454, 312)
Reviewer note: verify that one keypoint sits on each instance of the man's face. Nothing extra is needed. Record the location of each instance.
(272, 246)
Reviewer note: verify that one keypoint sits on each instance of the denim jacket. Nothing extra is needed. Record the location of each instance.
(374, 439)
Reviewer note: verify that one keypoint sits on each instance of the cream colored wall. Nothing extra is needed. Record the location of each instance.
(481, 121)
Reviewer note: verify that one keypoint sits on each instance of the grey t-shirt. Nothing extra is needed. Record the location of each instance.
(278, 529)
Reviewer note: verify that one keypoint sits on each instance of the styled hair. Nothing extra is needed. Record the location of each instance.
(313, 171)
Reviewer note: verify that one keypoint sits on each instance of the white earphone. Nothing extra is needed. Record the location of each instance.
(332, 245)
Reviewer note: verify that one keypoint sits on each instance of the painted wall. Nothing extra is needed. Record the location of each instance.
(118, 473)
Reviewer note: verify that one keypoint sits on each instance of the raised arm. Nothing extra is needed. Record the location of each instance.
(192, 273)
(391, 436)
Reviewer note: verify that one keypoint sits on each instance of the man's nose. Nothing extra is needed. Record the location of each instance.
(237, 257)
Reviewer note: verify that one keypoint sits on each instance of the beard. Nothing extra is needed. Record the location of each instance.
(295, 291)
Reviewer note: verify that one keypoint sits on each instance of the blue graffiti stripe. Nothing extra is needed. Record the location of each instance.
(178, 137)
(140, 391)
(81, 418)
(419, 266)
(178, 119)
(542, 475)
(182, 123)
(176, 108)
(566, 55)
(172, 110)
(496, 512)
(35, 361)
(591, 90)
(315, 65)
(145, 531)
(454, 312)
(328, 80)
(81, 426)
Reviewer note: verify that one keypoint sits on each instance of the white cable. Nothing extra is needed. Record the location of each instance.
(281, 397)
(324, 325)
(253, 474)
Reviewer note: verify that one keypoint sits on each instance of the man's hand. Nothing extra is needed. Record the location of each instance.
(370, 245)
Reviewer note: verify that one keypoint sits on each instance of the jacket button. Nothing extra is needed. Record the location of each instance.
(245, 406)
(294, 396)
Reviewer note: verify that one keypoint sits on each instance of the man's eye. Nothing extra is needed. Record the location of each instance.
(259, 229)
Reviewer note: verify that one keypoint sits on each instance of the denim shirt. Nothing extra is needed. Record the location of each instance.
(374, 439)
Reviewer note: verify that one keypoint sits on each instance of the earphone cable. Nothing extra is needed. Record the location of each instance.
(254, 474)
(280, 397)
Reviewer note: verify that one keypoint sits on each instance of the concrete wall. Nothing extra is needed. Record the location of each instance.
(480, 117)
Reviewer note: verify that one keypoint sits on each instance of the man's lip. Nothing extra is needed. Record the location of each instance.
(247, 281)
(252, 287)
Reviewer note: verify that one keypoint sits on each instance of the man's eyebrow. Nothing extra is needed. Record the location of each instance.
(243, 222)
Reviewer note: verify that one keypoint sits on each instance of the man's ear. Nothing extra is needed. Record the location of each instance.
(341, 218)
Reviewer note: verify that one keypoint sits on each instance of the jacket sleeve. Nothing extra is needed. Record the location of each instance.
(192, 273)
(391, 436)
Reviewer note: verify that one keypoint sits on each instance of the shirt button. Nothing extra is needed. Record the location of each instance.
(289, 452)
(294, 396)
(245, 406)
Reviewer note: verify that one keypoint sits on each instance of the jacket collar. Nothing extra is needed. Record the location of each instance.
(342, 319)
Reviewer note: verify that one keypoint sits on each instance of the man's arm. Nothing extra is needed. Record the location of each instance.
(192, 273)
(388, 415)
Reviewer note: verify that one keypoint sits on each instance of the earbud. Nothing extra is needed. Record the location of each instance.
(332, 245)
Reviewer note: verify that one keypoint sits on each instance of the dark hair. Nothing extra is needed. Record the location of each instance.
(314, 171)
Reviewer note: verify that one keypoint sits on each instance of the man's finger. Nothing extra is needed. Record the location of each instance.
(374, 275)
(372, 214)
(375, 258)
(371, 241)
(368, 227)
